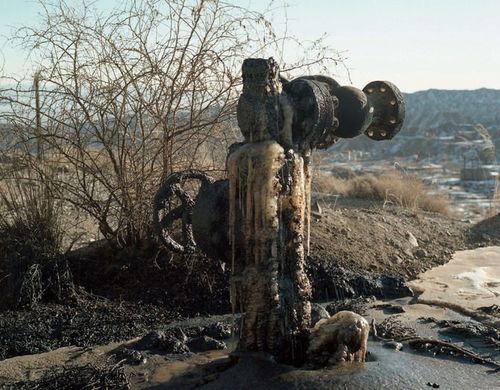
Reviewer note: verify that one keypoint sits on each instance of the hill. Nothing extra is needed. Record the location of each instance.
(442, 124)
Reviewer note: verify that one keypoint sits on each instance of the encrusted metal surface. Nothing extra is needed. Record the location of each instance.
(257, 111)
(314, 121)
(163, 219)
(388, 110)
(354, 112)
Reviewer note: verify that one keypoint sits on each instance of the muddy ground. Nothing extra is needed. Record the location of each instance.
(396, 358)
(357, 248)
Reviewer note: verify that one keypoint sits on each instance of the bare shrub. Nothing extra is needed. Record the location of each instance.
(30, 212)
(31, 237)
(397, 189)
(124, 98)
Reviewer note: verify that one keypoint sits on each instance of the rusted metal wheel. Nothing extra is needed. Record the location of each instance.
(164, 218)
(388, 109)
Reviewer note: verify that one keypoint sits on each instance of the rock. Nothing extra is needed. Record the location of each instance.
(411, 239)
(171, 341)
(358, 305)
(397, 259)
(336, 283)
(172, 344)
(318, 312)
(341, 338)
(132, 356)
(383, 286)
(393, 345)
(491, 310)
(205, 343)
(391, 309)
(393, 287)
(420, 253)
(218, 331)
(151, 340)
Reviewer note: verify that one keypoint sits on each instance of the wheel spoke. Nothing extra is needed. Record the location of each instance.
(171, 216)
(172, 185)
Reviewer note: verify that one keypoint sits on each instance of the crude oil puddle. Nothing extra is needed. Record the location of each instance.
(391, 369)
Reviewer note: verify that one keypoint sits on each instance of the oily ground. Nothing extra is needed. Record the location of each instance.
(129, 292)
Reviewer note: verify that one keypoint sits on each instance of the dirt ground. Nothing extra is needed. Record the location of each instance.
(353, 243)
(364, 236)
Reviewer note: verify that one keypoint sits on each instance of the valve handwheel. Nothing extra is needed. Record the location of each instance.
(163, 219)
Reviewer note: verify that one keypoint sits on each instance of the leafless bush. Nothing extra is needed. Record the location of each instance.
(120, 100)
(31, 238)
(396, 189)
(30, 212)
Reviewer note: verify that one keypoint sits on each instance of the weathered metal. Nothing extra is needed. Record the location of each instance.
(259, 219)
(388, 110)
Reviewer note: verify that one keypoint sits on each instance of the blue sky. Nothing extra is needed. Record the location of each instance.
(419, 44)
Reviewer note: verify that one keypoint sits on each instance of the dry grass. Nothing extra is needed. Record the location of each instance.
(395, 189)
(30, 243)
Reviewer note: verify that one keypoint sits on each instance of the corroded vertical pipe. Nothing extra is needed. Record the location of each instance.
(269, 187)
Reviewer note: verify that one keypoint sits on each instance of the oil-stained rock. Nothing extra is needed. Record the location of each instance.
(341, 338)
(318, 312)
(205, 343)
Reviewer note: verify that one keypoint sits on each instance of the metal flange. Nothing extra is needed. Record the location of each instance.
(314, 121)
(388, 110)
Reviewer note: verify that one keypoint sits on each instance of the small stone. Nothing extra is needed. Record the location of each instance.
(218, 331)
(345, 233)
(205, 343)
(318, 312)
(397, 259)
(221, 331)
(132, 356)
(411, 239)
(151, 340)
(420, 253)
(393, 345)
(392, 309)
(172, 340)
(173, 345)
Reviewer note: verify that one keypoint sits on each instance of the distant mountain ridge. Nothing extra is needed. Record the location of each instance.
(441, 123)
(428, 108)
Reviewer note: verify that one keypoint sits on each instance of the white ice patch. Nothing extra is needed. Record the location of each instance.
(479, 279)
(471, 279)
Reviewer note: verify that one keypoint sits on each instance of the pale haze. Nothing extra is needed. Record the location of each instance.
(418, 45)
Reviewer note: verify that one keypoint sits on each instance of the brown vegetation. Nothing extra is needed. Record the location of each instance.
(125, 97)
(392, 189)
(32, 266)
